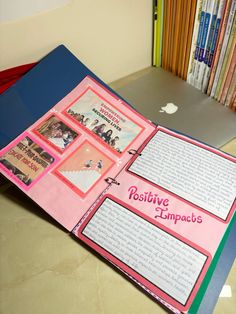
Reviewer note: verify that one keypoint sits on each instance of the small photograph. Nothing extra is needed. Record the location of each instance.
(83, 168)
(26, 161)
(56, 133)
(104, 120)
(15, 171)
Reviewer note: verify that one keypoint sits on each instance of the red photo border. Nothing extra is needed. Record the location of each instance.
(43, 138)
(69, 183)
(12, 176)
(149, 286)
(189, 140)
(93, 134)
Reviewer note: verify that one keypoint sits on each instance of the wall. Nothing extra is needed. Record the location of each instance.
(112, 37)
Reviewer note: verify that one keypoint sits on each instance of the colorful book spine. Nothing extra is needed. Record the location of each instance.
(180, 46)
(223, 48)
(186, 28)
(210, 16)
(189, 38)
(229, 77)
(165, 36)
(231, 90)
(158, 21)
(168, 31)
(160, 25)
(177, 35)
(154, 52)
(215, 34)
(172, 9)
(233, 104)
(199, 38)
(227, 61)
(194, 41)
(219, 44)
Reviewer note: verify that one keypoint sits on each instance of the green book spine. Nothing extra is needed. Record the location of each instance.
(158, 20)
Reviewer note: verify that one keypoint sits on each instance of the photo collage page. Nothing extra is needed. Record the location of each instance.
(81, 141)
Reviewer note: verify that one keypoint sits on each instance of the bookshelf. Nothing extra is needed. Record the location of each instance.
(198, 44)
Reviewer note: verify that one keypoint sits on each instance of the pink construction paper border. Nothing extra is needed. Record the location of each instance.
(194, 142)
(11, 176)
(146, 283)
(113, 106)
(43, 138)
(129, 107)
(70, 184)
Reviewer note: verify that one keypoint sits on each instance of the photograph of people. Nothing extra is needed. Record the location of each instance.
(84, 167)
(106, 136)
(88, 164)
(99, 165)
(28, 161)
(114, 141)
(104, 119)
(99, 129)
(57, 132)
(95, 122)
(85, 122)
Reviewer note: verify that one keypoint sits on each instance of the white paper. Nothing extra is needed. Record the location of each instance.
(162, 259)
(193, 173)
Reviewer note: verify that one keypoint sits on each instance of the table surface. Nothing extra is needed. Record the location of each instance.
(45, 270)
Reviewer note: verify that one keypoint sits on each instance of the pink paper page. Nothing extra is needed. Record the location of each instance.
(163, 224)
(63, 160)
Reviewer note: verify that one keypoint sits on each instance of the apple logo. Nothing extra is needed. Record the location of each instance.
(170, 108)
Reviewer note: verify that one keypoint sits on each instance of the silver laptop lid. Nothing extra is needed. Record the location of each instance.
(157, 94)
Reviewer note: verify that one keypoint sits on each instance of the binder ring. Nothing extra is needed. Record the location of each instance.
(134, 152)
(110, 180)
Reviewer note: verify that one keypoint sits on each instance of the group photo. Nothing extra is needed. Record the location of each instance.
(56, 132)
(102, 119)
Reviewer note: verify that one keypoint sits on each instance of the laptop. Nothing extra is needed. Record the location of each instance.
(171, 102)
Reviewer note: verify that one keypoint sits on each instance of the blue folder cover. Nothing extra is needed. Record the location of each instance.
(39, 90)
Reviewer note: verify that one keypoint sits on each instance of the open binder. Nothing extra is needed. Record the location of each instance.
(156, 204)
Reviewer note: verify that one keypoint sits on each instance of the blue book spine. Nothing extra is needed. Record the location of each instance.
(214, 40)
(204, 36)
(210, 38)
(199, 36)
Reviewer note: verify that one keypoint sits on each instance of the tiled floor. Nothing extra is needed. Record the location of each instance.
(230, 147)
